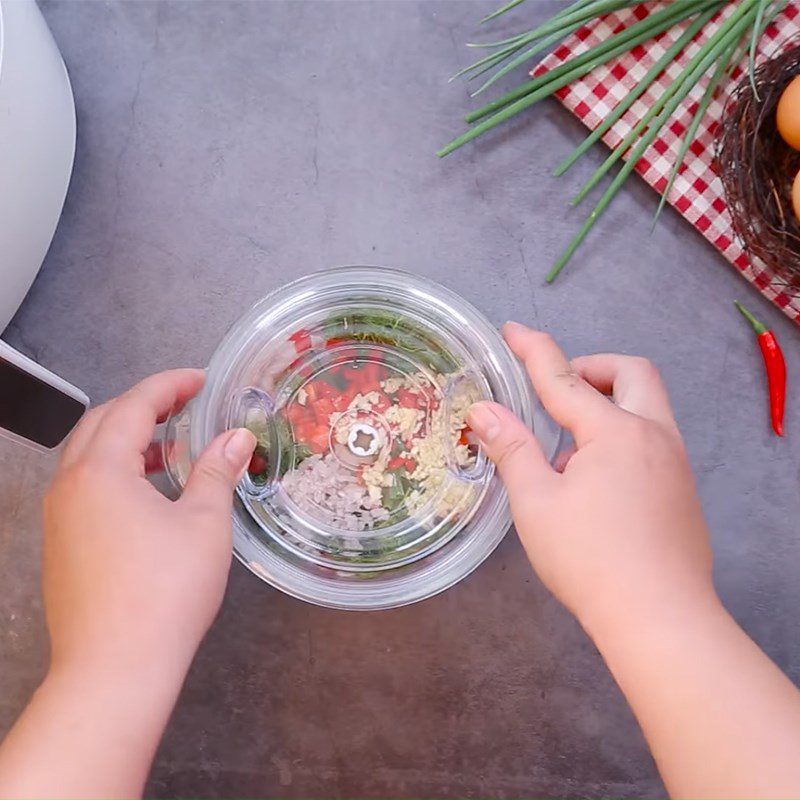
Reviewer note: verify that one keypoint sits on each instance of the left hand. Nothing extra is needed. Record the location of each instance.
(132, 580)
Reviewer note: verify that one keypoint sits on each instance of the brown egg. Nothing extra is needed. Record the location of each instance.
(788, 114)
(796, 196)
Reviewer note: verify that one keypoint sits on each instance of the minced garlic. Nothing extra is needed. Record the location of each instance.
(364, 402)
(392, 385)
(407, 420)
(430, 440)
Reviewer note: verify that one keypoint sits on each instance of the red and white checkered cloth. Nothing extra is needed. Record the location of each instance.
(697, 191)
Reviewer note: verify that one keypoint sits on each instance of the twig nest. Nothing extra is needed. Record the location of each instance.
(758, 168)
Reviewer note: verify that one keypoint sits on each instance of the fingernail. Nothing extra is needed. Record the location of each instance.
(512, 326)
(239, 448)
(483, 420)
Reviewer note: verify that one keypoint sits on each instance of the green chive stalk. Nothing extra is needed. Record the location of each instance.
(773, 12)
(571, 15)
(490, 60)
(528, 54)
(723, 50)
(637, 33)
(550, 82)
(559, 15)
(506, 7)
(680, 88)
(568, 10)
(697, 71)
(688, 138)
(726, 65)
(500, 43)
(553, 24)
(551, 31)
(495, 59)
(751, 64)
(641, 87)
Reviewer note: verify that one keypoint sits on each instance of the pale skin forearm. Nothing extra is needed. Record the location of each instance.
(88, 733)
(720, 718)
(122, 638)
(618, 535)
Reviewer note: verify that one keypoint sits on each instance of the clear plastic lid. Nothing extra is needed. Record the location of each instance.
(367, 488)
(364, 458)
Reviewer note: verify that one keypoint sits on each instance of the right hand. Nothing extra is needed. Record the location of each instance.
(619, 521)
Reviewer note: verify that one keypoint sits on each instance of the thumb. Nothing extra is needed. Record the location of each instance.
(511, 445)
(219, 468)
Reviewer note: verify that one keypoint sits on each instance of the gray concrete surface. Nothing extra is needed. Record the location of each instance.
(224, 148)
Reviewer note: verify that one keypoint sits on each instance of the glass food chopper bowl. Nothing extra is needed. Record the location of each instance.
(367, 489)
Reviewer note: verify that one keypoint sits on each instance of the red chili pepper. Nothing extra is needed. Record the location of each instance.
(408, 399)
(396, 462)
(371, 376)
(382, 403)
(775, 366)
(352, 376)
(348, 353)
(323, 389)
(258, 464)
(295, 413)
(323, 409)
(301, 340)
(340, 402)
(153, 459)
(318, 441)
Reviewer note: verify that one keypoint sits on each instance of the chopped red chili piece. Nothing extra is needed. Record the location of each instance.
(301, 340)
(258, 464)
(408, 399)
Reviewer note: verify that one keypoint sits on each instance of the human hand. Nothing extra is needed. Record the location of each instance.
(132, 580)
(620, 525)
